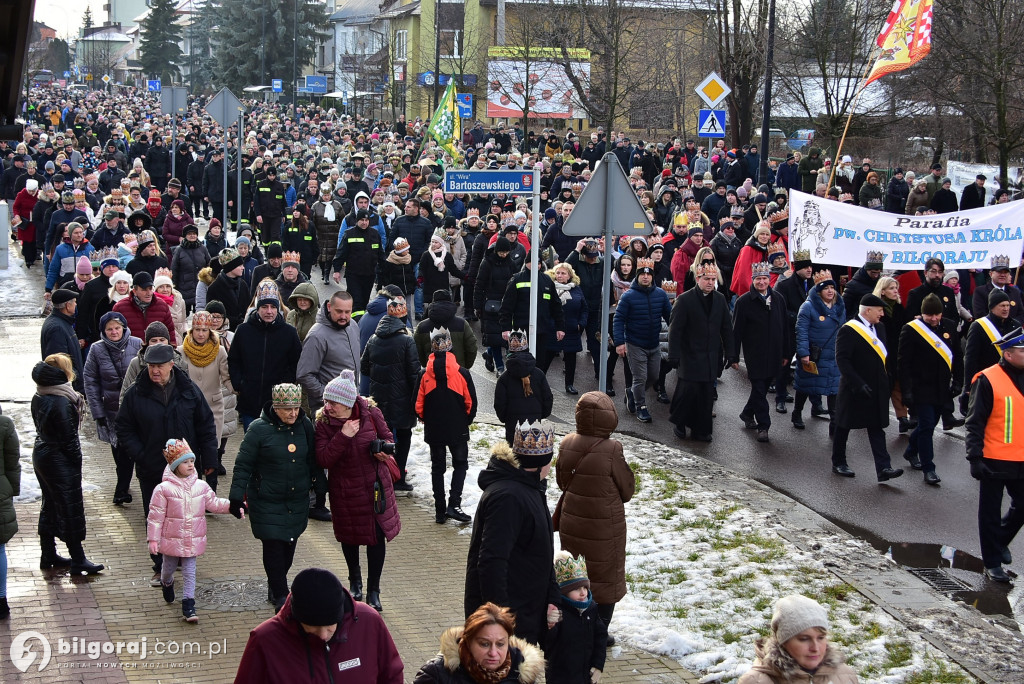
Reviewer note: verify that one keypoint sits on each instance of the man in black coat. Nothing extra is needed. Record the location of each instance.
(863, 282)
(515, 311)
(511, 551)
(270, 206)
(973, 195)
(931, 373)
(58, 336)
(999, 279)
(265, 352)
(863, 400)
(164, 404)
(794, 291)
(158, 164)
(212, 190)
(759, 327)
(699, 333)
(934, 270)
(998, 463)
(981, 350)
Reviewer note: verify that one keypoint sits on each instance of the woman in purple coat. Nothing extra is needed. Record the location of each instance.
(359, 482)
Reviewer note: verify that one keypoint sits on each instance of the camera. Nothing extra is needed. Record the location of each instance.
(378, 446)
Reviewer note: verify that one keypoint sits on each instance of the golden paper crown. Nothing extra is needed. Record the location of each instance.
(290, 257)
(780, 216)
(569, 570)
(670, 287)
(802, 255)
(822, 276)
(707, 269)
(775, 248)
(644, 262)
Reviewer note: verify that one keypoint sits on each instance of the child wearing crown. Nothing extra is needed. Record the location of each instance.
(576, 639)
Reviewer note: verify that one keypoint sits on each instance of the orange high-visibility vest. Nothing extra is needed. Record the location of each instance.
(1004, 431)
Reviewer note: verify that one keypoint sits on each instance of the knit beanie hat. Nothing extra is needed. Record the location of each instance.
(570, 573)
(177, 451)
(342, 389)
(84, 266)
(243, 240)
(796, 613)
(274, 251)
(286, 395)
(216, 307)
(440, 340)
(318, 598)
(156, 329)
(997, 297)
(120, 277)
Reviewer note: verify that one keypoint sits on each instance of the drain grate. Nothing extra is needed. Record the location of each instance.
(232, 594)
(940, 580)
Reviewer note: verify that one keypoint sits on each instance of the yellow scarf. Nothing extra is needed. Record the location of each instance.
(201, 355)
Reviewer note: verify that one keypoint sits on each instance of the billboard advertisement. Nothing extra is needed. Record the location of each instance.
(511, 82)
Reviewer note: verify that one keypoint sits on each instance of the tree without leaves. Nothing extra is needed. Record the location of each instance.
(202, 38)
(160, 42)
(740, 29)
(976, 68)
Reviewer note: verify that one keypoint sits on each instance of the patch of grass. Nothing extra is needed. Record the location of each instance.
(872, 630)
(693, 557)
(762, 603)
(835, 593)
(718, 572)
(739, 539)
(679, 612)
(763, 556)
(898, 654)
(736, 580)
(697, 524)
(939, 674)
(677, 576)
(669, 483)
(810, 572)
(483, 443)
(668, 512)
(711, 626)
(854, 617)
(724, 513)
(689, 505)
(730, 637)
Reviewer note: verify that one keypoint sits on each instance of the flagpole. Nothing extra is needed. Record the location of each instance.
(846, 128)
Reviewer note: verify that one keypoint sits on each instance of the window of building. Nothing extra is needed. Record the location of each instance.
(401, 45)
(450, 43)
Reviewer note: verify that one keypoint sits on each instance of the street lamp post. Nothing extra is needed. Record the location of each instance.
(762, 175)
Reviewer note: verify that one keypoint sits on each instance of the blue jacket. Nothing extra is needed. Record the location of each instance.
(576, 314)
(788, 176)
(812, 330)
(64, 260)
(637, 317)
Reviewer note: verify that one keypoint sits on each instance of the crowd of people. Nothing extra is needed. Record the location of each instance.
(179, 323)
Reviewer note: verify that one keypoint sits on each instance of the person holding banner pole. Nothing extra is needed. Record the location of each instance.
(931, 373)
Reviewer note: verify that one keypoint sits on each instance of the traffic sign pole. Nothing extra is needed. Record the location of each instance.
(238, 175)
(534, 262)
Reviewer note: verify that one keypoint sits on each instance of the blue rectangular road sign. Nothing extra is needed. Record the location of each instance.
(518, 182)
(464, 101)
(277, 85)
(153, 86)
(711, 123)
(316, 84)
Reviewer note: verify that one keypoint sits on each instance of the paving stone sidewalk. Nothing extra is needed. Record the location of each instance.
(421, 593)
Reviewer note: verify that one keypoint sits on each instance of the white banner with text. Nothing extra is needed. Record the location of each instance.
(842, 234)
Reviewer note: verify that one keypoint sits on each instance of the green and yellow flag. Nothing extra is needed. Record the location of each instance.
(445, 126)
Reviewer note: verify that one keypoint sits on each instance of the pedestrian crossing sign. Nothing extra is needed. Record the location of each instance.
(711, 123)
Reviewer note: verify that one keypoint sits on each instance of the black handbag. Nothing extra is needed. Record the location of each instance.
(492, 306)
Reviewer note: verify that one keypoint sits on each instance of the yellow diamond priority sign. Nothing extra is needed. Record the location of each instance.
(713, 89)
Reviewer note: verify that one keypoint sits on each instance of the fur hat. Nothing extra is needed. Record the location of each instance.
(795, 614)
(121, 277)
(286, 395)
(342, 389)
(176, 452)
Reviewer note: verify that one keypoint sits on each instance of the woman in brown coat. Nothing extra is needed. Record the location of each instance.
(596, 481)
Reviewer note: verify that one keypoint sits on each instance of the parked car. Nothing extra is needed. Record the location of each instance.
(802, 140)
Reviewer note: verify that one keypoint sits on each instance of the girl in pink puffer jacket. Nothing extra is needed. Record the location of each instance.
(177, 521)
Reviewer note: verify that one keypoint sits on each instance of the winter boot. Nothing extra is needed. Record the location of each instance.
(630, 403)
(5, 610)
(355, 587)
(373, 599)
(79, 563)
(49, 558)
(168, 590)
(188, 610)
(455, 512)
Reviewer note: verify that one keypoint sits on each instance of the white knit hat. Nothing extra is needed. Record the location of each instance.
(796, 613)
(120, 276)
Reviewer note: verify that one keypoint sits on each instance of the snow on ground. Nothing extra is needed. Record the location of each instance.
(704, 571)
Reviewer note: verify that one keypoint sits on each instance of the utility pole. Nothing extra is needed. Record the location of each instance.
(762, 174)
(295, 40)
(437, 54)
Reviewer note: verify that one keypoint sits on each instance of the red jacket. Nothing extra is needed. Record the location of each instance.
(137, 320)
(360, 652)
(23, 205)
(351, 472)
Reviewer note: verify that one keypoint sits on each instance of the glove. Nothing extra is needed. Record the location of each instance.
(965, 400)
(101, 422)
(154, 548)
(237, 509)
(866, 390)
(980, 471)
(554, 616)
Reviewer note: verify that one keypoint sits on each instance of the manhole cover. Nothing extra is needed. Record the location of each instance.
(235, 593)
(939, 579)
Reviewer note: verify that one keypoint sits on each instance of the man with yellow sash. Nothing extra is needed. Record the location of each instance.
(931, 373)
(983, 337)
(863, 401)
(995, 449)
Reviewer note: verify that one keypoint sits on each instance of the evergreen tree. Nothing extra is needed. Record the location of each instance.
(87, 18)
(58, 59)
(160, 44)
(254, 43)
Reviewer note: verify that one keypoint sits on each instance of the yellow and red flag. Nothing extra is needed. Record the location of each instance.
(905, 39)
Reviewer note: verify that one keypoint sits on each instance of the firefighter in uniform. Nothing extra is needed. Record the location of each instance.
(270, 206)
(360, 250)
(995, 449)
(248, 183)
